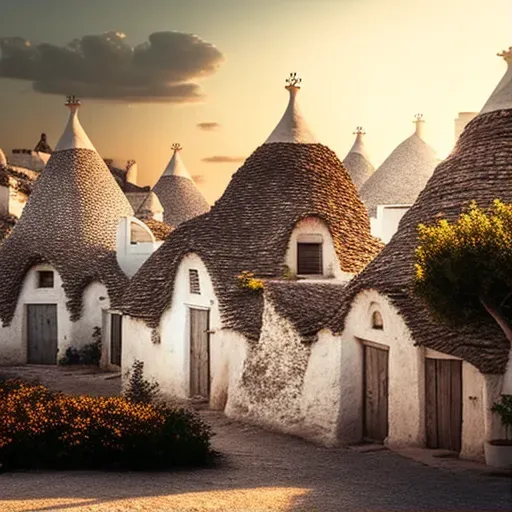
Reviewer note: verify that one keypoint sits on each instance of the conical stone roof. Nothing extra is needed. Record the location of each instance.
(403, 175)
(178, 193)
(3, 159)
(249, 228)
(479, 169)
(69, 222)
(357, 161)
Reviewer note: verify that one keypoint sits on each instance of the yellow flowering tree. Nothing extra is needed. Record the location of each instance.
(464, 268)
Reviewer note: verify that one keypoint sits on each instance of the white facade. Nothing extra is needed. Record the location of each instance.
(406, 407)
(166, 351)
(13, 339)
(12, 201)
(135, 243)
(385, 224)
(32, 160)
(314, 230)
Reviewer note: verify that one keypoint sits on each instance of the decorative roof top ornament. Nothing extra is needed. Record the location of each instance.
(176, 146)
(293, 81)
(359, 131)
(72, 101)
(506, 54)
(418, 121)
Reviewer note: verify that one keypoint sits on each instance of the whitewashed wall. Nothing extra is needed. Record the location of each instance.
(34, 160)
(406, 378)
(168, 361)
(290, 386)
(315, 226)
(131, 257)
(385, 224)
(13, 339)
(12, 202)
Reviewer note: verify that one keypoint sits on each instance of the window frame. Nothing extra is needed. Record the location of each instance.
(41, 275)
(320, 271)
(193, 280)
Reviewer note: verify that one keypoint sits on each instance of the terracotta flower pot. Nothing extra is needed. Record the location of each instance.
(498, 453)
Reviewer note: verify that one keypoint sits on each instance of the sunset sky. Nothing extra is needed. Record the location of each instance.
(373, 63)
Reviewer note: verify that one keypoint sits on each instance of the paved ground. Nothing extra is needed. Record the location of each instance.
(259, 471)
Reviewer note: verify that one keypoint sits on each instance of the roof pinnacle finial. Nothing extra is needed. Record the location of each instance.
(418, 121)
(359, 131)
(176, 146)
(72, 102)
(506, 54)
(293, 81)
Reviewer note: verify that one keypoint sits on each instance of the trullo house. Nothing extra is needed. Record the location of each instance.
(425, 383)
(256, 347)
(357, 161)
(395, 185)
(177, 192)
(58, 268)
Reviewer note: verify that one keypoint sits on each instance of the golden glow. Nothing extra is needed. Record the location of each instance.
(260, 499)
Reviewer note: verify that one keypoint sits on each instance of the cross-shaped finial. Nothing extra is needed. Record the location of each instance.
(418, 118)
(293, 80)
(72, 100)
(506, 54)
(359, 131)
(176, 146)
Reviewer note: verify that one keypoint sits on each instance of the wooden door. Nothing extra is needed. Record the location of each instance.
(116, 323)
(375, 410)
(443, 403)
(42, 333)
(199, 353)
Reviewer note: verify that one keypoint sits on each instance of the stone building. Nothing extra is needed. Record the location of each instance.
(291, 216)
(178, 193)
(357, 161)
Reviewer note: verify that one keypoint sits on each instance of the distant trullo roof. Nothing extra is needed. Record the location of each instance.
(178, 193)
(3, 159)
(69, 222)
(42, 146)
(501, 98)
(478, 169)
(357, 161)
(403, 174)
(249, 228)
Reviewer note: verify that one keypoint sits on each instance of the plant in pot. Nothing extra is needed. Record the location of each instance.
(498, 452)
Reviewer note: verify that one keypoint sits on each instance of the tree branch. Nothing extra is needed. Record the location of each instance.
(498, 317)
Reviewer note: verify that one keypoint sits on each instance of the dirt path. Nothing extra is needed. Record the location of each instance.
(259, 471)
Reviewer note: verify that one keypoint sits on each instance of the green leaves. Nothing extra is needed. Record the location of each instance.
(457, 264)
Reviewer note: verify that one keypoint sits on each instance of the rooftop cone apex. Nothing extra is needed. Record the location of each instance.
(74, 136)
(292, 127)
(501, 98)
(176, 167)
(359, 146)
(419, 122)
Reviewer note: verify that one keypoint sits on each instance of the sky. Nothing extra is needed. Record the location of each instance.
(220, 92)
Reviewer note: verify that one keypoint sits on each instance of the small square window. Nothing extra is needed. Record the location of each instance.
(45, 279)
(309, 259)
(193, 277)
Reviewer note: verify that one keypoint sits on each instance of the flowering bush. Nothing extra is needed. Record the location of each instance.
(43, 429)
(247, 280)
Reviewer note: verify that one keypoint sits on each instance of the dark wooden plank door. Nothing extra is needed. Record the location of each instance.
(375, 411)
(116, 323)
(443, 403)
(42, 341)
(199, 352)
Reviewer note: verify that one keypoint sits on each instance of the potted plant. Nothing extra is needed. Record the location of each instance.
(498, 452)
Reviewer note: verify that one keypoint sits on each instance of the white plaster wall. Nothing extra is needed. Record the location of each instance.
(13, 339)
(270, 390)
(131, 257)
(385, 225)
(322, 392)
(95, 300)
(168, 361)
(34, 161)
(12, 202)
(315, 226)
(406, 379)
(406, 369)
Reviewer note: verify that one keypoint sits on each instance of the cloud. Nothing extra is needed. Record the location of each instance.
(223, 159)
(163, 69)
(208, 126)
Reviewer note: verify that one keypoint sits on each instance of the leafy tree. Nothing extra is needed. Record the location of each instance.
(464, 268)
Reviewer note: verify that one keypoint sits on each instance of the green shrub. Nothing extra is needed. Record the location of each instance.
(42, 429)
(89, 354)
(71, 356)
(503, 409)
(248, 281)
(140, 390)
